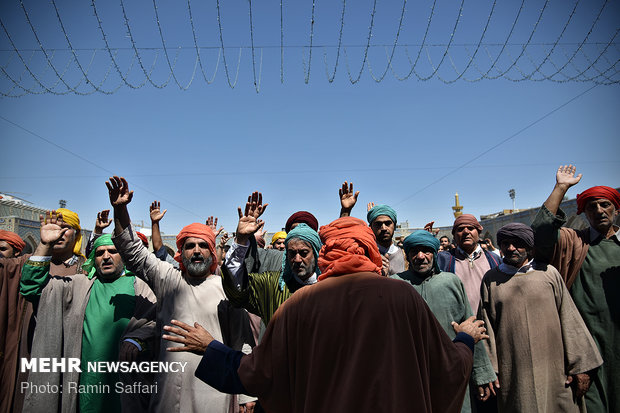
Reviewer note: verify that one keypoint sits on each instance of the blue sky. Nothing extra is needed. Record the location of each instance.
(203, 150)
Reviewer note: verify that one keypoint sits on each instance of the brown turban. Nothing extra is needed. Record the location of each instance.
(201, 231)
(597, 192)
(349, 246)
(466, 219)
(13, 240)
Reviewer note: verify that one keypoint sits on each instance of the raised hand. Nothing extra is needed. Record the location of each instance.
(51, 228)
(566, 176)
(119, 192)
(429, 227)
(223, 239)
(156, 213)
(261, 231)
(103, 221)
(370, 206)
(248, 220)
(212, 223)
(348, 198)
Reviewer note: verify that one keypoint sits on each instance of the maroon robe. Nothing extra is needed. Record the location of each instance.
(353, 343)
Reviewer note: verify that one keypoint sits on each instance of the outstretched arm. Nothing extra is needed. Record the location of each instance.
(564, 179)
(120, 196)
(156, 215)
(348, 198)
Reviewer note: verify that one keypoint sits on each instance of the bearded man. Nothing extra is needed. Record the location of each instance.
(193, 291)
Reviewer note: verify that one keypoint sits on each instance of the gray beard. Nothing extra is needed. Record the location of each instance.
(197, 269)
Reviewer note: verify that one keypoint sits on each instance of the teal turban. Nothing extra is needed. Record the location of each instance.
(305, 233)
(424, 239)
(89, 264)
(378, 210)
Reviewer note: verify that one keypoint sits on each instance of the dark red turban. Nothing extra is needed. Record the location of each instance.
(349, 246)
(201, 231)
(302, 216)
(466, 219)
(13, 240)
(144, 239)
(597, 192)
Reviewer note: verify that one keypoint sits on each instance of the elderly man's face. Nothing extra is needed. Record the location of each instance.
(600, 214)
(383, 228)
(279, 244)
(196, 257)
(515, 252)
(7, 250)
(301, 258)
(108, 262)
(466, 237)
(421, 259)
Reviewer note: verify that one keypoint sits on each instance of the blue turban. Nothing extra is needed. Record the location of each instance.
(425, 239)
(378, 210)
(305, 233)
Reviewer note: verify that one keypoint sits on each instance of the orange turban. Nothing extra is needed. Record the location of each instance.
(201, 231)
(597, 192)
(13, 240)
(349, 246)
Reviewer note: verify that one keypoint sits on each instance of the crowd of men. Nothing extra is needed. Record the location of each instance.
(321, 319)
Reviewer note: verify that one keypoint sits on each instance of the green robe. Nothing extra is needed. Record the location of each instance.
(445, 295)
(103, 327)
(596, 293)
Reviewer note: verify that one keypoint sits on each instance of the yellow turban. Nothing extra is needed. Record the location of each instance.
(73, 219)
(277, 236)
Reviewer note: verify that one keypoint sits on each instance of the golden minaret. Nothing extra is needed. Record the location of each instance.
(458, 209)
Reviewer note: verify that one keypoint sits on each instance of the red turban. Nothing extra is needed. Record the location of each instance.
(302, 216)
(349, 246)
(144, 239)
(12, 239)
(466, 219)
(201, 231)
(597, 192)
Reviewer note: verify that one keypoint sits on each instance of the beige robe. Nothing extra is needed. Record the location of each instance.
(186, 300)
(537, 339)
